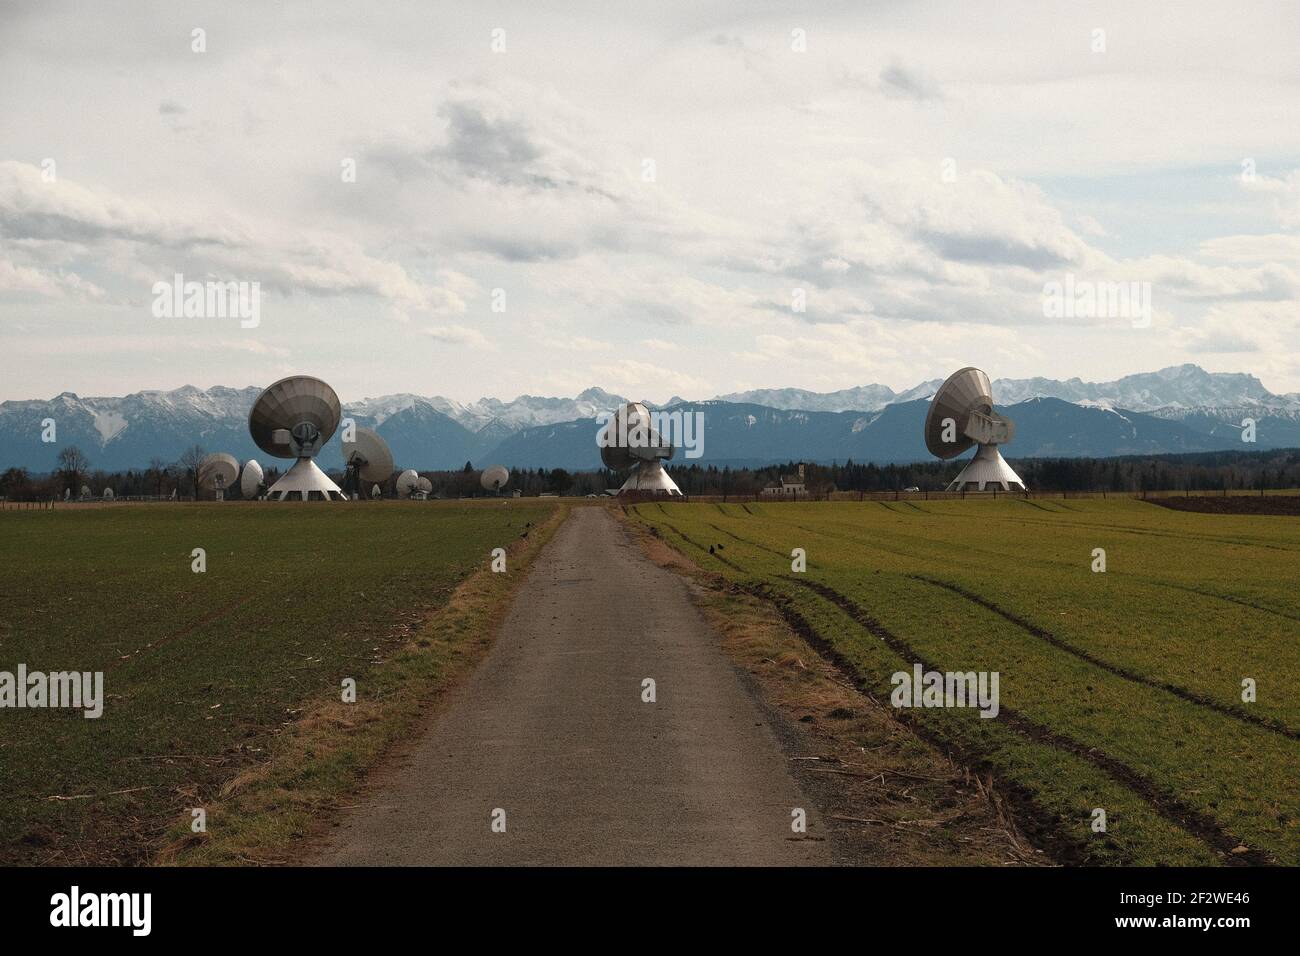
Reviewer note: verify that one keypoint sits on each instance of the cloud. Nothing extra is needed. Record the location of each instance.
(898, 80)
(49, 217)
(457, 335)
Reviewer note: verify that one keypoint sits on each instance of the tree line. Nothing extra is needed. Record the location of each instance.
(1203, 472)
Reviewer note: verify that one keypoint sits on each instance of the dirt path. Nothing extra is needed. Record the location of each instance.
(552, 729)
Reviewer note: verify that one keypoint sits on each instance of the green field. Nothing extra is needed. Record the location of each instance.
(1119, 690)
(201, 669)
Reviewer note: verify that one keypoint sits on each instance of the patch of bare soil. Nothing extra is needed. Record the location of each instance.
(1233, 504)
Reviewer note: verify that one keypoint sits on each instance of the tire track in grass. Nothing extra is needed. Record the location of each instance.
(1167, 805)
(1034, 504)
(1011, 555)
(1061, 644)
(695, 544)
(752, 544)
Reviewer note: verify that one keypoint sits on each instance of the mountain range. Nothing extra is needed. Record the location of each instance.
(1178, 409)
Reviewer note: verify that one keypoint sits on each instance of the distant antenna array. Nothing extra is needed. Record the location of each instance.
(961, 415)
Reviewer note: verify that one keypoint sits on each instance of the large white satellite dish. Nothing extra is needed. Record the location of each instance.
(494, 478)
(407, 483)
(294, 418)
(368, 458)
(217, 472)
(423, 487)
(629, 440)
(961, 415)
(108, 494)
(250, 482)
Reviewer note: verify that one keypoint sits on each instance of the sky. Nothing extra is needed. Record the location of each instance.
(677, 198)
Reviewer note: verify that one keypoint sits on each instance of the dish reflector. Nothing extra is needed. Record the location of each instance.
(424, 486)
(251, 480)
(294, 417)
(407, 482)
(964, 392)
(369, 454)
(629, 440)
(218, 471)
(495, 477)
(961, 415)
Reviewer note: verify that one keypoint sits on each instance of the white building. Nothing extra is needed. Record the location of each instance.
(790, 486)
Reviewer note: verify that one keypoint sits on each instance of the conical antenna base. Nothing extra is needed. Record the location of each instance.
(987, 471)
(306, 481)
(650, 477)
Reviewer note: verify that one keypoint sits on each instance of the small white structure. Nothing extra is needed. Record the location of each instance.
(790, 486)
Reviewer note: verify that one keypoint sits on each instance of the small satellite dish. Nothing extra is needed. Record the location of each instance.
(217, 472)
(961, 415)
(376, 493)
(368, 458)
(67, 493)
(294, 418)
(423, 487)
(629, 440)
(108, 494)
(495, 477)
(85, 491)
(250, 482)
(407, 483)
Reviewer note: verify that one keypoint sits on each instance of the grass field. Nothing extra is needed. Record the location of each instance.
(1119, 690)
(202, 670)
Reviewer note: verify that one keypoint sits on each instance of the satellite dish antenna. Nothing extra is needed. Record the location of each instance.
(407, 483)
(294, 418)
(67, 493)
(250, 482)
(423, 487)
(961, 415)
(85, 491)
(629, 440)
(108, 494)
(495, 477)
(376, 493)
(217, 472)
(368, 458)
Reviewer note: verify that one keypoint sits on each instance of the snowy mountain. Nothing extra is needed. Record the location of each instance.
(1174, 409)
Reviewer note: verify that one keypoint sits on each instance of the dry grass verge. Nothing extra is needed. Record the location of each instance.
(271, 814)
(889, 798)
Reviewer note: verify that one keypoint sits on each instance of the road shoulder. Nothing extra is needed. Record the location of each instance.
(886, 797)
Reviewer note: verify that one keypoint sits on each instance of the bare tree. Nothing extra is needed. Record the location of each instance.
(73, 467)
(189, 463)
(157, 474)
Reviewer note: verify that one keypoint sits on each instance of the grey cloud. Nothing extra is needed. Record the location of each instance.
(899, 81)
(993, 250)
